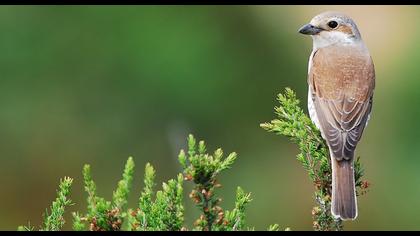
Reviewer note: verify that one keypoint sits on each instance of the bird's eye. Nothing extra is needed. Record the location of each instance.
(332, 24)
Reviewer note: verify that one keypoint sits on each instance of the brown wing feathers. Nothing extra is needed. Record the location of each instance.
(342, 81)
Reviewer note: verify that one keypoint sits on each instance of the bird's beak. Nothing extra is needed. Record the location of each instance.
(309, 29)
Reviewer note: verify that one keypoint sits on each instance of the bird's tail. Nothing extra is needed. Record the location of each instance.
(344, 202)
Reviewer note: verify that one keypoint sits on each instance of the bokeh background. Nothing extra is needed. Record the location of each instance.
(96, 84)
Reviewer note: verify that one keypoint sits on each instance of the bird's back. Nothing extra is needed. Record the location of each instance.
(341, 80)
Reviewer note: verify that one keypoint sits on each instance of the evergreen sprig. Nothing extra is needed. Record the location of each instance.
(162, 210)
(54, 221)
(235, 219)
(103, 215)
(165, 213)
(292, 122)
(203, 169)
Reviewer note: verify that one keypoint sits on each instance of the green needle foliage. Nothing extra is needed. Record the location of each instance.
(235, 219)
(165, 212)
(55, 220)
(292, 122)
(162, 210)
(120, 196)
(203, 169)
(103, 215)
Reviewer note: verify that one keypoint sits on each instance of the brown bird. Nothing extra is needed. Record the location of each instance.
(341, 78)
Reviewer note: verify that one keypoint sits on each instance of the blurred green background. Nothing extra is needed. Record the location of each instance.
(96, 84)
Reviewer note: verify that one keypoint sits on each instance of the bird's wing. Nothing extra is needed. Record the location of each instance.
(342, 80)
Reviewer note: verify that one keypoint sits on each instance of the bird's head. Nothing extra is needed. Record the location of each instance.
(330, 28)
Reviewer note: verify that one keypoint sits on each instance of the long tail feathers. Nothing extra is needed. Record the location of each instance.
(344, 202)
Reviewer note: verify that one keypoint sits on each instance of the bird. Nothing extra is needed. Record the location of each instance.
(341, 82)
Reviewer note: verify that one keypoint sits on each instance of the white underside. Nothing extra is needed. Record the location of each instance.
(311, 106)
(312, 112)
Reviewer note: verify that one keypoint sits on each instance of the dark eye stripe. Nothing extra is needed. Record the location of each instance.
(332, 24)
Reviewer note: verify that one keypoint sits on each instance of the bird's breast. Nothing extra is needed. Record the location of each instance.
(341, 71)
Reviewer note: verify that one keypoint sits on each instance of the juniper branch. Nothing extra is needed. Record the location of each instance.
(236, 217)
(166, 212)
(162, 210)
(103, 215)
(54, 221)
(203, 169)
(120, 195)
(292, 122)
